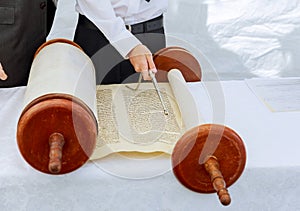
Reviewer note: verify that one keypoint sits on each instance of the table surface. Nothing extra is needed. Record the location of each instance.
(269, 181)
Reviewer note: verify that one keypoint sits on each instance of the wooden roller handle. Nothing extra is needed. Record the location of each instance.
(212, 167)
(56, 142)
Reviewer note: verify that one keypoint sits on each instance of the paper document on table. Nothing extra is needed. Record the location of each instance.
(279, 95)
(134, 120)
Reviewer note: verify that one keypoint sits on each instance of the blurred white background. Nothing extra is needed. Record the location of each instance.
(241, 38)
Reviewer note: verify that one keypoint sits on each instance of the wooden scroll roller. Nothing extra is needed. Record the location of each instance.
(176, 58)
(57, 129)
(209, 158)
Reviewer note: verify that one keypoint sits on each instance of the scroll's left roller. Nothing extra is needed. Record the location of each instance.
(57, 129)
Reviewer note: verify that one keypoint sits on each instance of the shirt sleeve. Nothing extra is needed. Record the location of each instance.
(101, 13)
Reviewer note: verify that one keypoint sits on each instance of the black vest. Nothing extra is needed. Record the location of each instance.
(23, 28)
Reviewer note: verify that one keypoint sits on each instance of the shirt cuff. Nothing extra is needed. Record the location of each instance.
(124, 46)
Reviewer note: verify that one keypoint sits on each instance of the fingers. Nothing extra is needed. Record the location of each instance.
(3, 75)
(140, 65)
(151, 64)
(142, 61)
(145, 74)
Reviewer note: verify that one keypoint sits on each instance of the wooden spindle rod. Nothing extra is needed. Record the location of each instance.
(213, 169)
(56, 142)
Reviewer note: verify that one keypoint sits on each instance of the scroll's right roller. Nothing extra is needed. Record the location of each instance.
(207, 158)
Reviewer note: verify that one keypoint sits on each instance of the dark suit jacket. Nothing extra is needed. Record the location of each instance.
(23, 28)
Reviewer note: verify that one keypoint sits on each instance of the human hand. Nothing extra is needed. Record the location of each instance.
(3, 75)
(141, 59)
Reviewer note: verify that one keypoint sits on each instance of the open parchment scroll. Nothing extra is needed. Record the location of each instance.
(134, 121)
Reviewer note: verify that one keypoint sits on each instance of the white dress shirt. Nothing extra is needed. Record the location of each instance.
(111, 16)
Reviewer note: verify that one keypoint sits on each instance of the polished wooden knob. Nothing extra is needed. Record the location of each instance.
(213, 169)
(209, 158)
(56, 142)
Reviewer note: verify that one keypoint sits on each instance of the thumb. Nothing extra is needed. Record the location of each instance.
(3, 75)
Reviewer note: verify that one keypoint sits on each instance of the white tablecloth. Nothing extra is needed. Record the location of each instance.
(269, 182)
